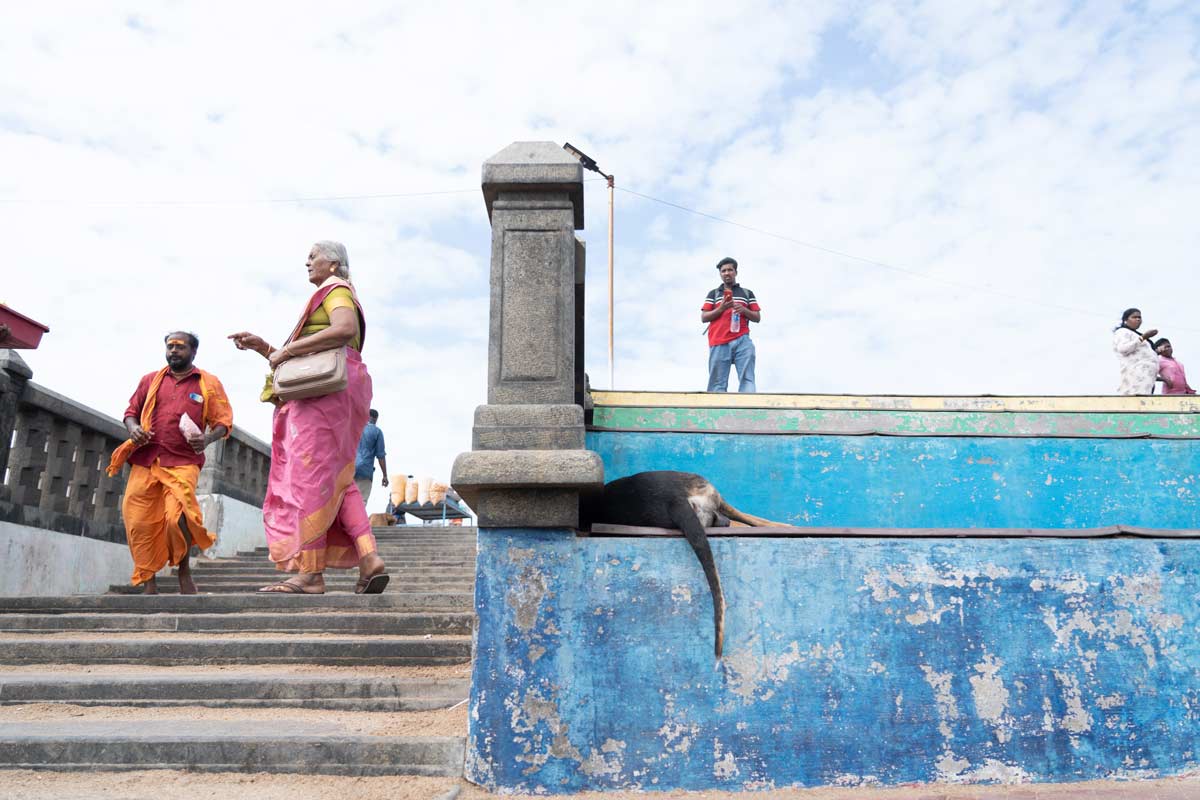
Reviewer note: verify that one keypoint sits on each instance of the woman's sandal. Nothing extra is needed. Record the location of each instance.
(283, 587)
(372, 585)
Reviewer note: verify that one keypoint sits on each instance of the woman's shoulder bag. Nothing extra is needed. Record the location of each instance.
(311, 375)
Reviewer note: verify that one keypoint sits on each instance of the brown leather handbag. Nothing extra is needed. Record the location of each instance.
(312, 375)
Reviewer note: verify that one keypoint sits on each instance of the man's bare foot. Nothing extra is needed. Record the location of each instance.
(304, 583)
(186, 584)
(150, 587)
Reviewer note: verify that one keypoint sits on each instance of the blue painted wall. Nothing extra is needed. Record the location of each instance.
(930, 482)
(847, 661)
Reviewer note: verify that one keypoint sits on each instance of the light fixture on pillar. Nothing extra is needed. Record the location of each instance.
(590, 163)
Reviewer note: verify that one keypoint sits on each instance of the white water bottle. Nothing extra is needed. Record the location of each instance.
(735, 322)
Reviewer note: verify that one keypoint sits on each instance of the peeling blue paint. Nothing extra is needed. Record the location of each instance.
(930, 482)
(847, 662)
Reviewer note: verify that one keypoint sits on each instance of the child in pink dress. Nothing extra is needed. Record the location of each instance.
(1170, 371)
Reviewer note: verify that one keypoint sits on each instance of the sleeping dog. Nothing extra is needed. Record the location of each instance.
(666, 499)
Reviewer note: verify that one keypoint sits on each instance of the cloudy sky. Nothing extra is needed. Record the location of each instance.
(937, 197)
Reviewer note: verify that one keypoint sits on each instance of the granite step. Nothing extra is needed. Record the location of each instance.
(404, 557)
(314, 605)
(346, 624)
(393, 569)
(170, 585)
(436, 576)
(171, 688)
(242, 589)
(431, 551)
(223, 746)
(181, 650)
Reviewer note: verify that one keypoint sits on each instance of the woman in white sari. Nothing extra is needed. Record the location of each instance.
(1139, 362)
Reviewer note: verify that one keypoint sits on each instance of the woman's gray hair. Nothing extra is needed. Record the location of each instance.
(335, 251)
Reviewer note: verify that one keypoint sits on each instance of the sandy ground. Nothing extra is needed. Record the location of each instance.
(26, 785)
(442, 722)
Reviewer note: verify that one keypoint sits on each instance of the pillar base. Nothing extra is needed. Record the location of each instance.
(527, 488)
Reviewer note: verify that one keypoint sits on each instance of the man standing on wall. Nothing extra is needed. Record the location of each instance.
(729, 309)
(370, 448)
(173, 415)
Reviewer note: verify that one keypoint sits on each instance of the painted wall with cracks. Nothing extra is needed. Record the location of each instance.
(934, 481)
(857, 661)
(847, 662)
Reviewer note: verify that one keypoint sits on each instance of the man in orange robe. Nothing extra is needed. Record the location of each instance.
(165, 452)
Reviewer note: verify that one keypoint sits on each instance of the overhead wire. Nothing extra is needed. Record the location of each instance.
(245, 201)
(908, 272)
(333, 198)
(912, 273)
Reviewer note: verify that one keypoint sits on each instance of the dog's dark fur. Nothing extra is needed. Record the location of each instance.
(680, 500)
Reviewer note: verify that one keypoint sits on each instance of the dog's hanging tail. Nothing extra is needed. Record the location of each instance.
(684, 518)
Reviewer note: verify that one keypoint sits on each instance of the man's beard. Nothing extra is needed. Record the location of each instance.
(178, 363)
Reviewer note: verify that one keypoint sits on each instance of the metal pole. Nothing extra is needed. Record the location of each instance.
(611, 369)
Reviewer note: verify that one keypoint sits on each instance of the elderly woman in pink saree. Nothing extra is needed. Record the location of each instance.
(313, 513)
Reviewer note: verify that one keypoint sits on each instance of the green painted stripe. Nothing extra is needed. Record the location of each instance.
(1093, 404)
(927, 423)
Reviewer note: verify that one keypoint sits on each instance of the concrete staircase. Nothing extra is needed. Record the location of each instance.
(231, 680)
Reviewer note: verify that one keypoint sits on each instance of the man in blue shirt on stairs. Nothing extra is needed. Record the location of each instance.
(370, 448)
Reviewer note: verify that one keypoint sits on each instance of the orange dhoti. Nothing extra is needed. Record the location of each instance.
(157, 500)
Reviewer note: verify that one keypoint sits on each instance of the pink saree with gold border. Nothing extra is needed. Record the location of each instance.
(313, 513)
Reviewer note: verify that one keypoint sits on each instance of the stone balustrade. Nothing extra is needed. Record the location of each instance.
(54, 450)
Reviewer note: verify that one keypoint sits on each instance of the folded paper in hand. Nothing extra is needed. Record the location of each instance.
(187, 427)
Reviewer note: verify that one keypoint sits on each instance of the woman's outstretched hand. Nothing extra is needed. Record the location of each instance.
(249, 341)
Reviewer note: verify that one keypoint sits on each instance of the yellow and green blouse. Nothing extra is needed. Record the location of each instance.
(321, 317)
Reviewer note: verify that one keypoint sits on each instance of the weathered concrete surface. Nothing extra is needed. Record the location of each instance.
(930, 481)
(95, 682)
(238, 525)
(229, 689)
(528, 427)
(520, 469)
(35, 561)
(889, 402)
(898, 423)
(534, 166)
(222, 746)
(534, 197)
(848, 662)
(535, 488)
(228, 604)
(343, 624)
(528, 467)
(184, 650)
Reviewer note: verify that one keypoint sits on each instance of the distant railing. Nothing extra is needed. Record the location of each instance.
(53, 452)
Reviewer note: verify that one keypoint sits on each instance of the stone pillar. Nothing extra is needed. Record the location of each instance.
(14, 374)
(528, 464)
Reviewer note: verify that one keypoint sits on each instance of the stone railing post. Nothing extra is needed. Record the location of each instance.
(236, 467)
(14, 374)
(231, 488)
(528, 464)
